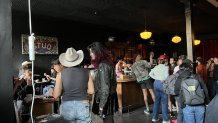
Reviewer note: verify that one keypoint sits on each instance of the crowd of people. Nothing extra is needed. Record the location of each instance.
(151, 76)
(94, 86)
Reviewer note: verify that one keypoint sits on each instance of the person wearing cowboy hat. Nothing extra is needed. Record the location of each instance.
(74, 84)
(105, 102)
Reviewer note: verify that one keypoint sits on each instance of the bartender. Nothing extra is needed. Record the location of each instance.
(119, 67)
(128, 68)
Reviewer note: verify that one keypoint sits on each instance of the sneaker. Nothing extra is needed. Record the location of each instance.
(154, 120)
(146, 111)
(166, 121)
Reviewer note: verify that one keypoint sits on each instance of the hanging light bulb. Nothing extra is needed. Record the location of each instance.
(176, 39)
(197, 42)
(145, 35)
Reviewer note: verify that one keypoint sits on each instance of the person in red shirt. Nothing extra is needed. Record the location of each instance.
(201, 69)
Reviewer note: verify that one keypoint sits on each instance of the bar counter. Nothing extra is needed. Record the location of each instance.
(129, 95)
(43, 106)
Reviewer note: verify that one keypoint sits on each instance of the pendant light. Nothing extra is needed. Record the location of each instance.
(197, 42)
(145, 34)
(176, 39)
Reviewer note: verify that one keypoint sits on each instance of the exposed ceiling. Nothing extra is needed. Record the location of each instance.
(162, 16)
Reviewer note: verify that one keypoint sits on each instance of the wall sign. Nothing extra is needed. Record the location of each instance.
(43, 45)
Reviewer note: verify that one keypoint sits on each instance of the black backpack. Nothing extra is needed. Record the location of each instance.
(192, 92)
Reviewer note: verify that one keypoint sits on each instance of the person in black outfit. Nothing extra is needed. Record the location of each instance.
(105, 100)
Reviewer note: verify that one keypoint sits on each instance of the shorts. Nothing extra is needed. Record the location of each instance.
(148, 84)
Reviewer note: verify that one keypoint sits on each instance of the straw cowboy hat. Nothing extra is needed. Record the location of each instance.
(71, 57)
(26, 63)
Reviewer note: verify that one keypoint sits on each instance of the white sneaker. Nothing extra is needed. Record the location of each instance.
(146, 111)
(166, 121)
(155, 120)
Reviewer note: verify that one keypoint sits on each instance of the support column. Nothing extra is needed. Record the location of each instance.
(189, 38)
(6, 81)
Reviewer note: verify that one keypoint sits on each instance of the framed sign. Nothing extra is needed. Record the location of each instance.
(43, 45)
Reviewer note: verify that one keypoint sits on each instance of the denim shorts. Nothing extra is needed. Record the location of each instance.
(75, 112)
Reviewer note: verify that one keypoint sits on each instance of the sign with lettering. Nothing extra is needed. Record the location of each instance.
(43, 45)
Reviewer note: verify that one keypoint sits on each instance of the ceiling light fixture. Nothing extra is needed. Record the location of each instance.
(197, 42)
(145, 34)
(176, 39)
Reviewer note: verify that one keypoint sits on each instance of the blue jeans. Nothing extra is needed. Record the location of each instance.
(194, 114)
(180, 118)
(160, 96)
(75, 112)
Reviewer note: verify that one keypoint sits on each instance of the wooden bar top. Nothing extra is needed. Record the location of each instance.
(44, 99)
(126, 80)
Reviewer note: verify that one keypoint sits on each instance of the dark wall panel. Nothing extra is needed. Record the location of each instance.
(69, 34)
(6, 84)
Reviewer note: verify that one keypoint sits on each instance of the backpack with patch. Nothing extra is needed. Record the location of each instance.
(192, 92)
(169, 84)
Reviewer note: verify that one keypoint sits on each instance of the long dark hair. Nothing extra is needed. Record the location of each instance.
(101, 54)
